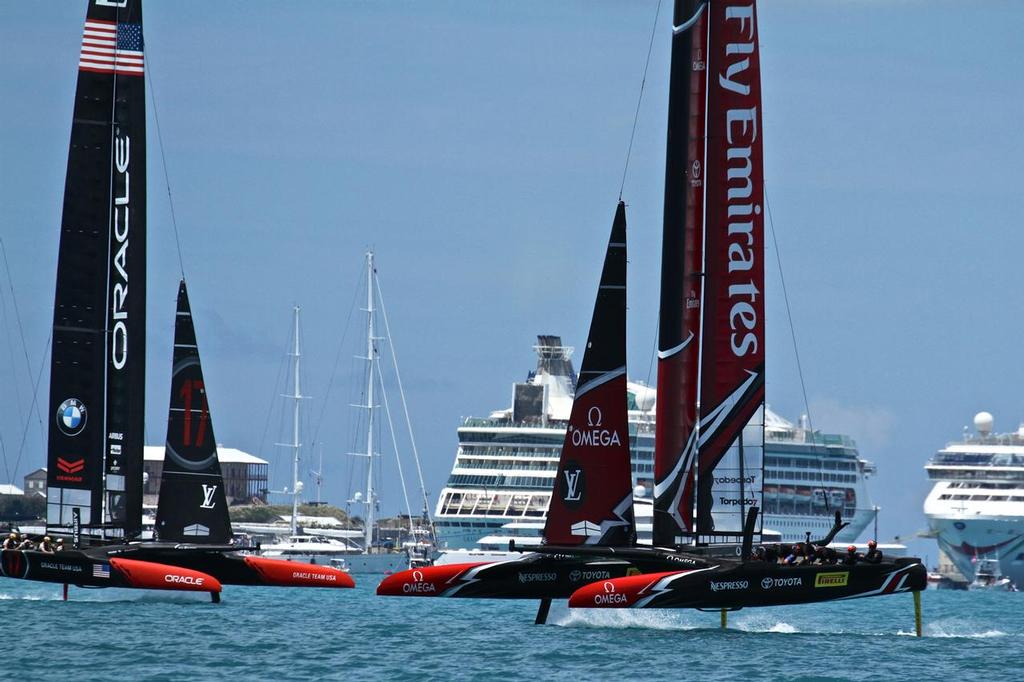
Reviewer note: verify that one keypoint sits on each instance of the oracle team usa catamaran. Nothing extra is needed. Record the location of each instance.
(97, 377)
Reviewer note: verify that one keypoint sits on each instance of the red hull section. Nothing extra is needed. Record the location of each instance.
(292, 574)
(151, 576)
(431, 581)
(620, 593)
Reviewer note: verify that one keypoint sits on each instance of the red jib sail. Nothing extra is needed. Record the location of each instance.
(731, 444)
(675, 444)
(592, 500)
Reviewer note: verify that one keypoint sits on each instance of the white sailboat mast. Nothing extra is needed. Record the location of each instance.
(371, 354)
(297, 397)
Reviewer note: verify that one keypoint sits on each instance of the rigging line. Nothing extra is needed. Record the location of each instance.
(639, 99)
(34, 406)
(10, 352)
(270, 408)
(394, 444)
(3, 450)
(405, 406)
(792, 333)
(163, 159)
(337, 360)
(24, 346)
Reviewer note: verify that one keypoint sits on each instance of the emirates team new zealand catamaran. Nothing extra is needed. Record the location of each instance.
(97, 377)
(709, 445)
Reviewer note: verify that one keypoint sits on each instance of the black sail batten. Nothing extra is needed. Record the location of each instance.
(592, 500)
(193, 505)
(97, 370)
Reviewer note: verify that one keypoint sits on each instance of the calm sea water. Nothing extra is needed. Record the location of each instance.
(272, 634)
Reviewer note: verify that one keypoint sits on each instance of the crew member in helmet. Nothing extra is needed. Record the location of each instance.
(11, 541)
(60, 545)
(46, 545)
(851, 556)
(874, 555)
(26, 542)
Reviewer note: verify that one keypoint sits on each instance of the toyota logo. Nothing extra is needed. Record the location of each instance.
(591, 419)
(766, 583)
(696, 168)
(417, 576)
(609, 587)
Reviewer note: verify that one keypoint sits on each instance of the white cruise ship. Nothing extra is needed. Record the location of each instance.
(504, 470)
(976, 509)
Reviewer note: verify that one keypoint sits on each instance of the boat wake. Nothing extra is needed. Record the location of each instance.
(620, 618)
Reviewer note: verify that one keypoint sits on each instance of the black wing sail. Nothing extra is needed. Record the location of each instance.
(592, 500)
(97, 371)
(193, 506)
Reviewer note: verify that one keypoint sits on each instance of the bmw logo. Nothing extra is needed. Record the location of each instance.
(71, 417)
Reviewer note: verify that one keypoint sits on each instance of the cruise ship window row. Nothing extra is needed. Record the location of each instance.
(500, 481)
(809, 476)
(984, 498)
(487, 504)
(984, 485)
(491, 451)
(976, 474)
(512, 453)
(809, 463)
(481, 463)
(982, 459)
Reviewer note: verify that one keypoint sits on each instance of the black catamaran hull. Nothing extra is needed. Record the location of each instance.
(535, 576)
(749, 584)
(96, 567)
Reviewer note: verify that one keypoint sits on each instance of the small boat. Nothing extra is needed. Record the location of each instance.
(989, 576)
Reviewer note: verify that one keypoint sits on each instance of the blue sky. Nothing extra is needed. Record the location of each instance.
(478, 148)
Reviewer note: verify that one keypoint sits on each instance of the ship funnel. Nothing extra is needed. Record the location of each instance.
(983, 423)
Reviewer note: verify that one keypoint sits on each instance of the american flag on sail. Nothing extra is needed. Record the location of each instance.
(110, 47)
(101, 570)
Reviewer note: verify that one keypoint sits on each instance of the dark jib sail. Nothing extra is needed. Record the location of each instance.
(193, 506)
(675, 445)
(592, 500)
(731, 444)
(97, 372)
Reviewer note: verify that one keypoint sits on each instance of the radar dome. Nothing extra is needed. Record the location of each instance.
(983, 423)
(640, 491)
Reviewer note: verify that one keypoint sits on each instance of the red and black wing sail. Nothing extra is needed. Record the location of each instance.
(731, 445)
(193, 505)
(675, 445)
(97, 370)
(592, 500)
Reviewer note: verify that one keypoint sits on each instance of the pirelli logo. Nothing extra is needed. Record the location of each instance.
(832, 579)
